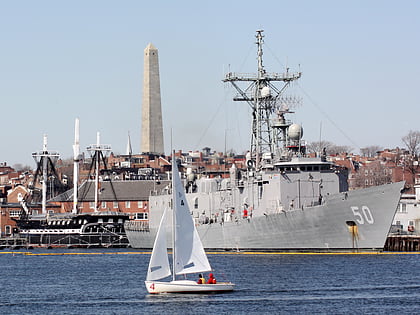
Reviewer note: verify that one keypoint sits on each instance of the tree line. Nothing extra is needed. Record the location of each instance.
(411, 141)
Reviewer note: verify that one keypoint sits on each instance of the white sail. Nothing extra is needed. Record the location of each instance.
(190, 256)
(188, 251)
(159, 262)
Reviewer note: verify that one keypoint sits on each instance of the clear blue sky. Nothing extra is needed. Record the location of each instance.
(65, 59)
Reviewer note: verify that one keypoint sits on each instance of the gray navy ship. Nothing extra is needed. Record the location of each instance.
(285, 199)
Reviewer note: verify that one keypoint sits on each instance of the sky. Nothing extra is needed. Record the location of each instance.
(60, 60)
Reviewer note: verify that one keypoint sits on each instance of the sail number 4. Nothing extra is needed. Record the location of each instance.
(363, 214)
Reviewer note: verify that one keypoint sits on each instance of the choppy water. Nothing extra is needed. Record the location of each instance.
(110, 282)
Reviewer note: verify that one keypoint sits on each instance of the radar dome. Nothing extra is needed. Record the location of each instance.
(265, 91)
(295, 132)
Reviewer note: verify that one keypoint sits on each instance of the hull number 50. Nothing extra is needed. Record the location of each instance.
(363, 215)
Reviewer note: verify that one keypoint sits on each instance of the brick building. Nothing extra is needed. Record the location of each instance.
(130, 197)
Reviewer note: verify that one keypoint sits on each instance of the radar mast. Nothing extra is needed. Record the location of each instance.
(269, 127)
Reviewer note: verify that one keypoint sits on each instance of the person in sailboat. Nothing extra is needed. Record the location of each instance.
(212, 279)
(201, 279)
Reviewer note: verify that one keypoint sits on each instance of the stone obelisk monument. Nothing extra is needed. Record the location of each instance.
(152, 129)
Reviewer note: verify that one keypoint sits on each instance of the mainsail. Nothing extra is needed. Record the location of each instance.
(190, 256)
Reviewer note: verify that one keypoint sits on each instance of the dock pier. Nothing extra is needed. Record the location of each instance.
(402, 243)
(13, 242)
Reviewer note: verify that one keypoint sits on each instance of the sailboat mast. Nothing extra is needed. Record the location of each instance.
(174, 203)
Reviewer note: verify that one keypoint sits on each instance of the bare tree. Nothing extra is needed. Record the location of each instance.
(336, 149)
(328, 147)
(412, 141)
(410, 161)
(370, 151)
(21, 167)
(318, 146)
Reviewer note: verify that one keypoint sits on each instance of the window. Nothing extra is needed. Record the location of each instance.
(140, 204)
(128, 204)
(196, 203)
(14, 213)
(411, 223)
(8, 229)
(91, 204)
(141, 216)
(403, 208)
(115, 204)
(103, 204)
(50, 211)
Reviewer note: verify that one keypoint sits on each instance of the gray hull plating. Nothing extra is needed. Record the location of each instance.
(319, 228)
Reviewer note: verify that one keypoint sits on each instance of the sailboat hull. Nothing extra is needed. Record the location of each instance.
(187, 286)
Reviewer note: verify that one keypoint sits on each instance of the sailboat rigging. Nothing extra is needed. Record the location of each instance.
(188, 255)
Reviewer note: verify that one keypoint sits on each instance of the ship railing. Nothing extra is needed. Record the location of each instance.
(277, 122)
(142, 226)
(274, 76)
(164, 191)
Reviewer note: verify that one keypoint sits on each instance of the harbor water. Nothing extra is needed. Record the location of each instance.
(110, 281)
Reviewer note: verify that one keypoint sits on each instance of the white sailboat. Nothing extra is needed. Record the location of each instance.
(188, 252)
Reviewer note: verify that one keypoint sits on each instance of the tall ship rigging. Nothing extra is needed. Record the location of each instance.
(51, 227)
(284, 199)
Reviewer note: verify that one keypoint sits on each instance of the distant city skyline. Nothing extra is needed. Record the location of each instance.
(63, 60)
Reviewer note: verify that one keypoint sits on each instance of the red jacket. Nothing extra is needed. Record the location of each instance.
(211, 280)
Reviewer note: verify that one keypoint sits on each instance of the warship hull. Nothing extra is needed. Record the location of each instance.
(282, 198)
(348, 221)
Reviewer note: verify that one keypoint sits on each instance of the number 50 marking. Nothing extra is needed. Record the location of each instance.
(363, 215)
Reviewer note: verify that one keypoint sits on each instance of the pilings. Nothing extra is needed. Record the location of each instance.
(402, 243)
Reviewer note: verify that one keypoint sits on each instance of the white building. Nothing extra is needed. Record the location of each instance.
(407, 217)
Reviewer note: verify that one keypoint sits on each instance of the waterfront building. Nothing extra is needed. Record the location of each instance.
(407, 217)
